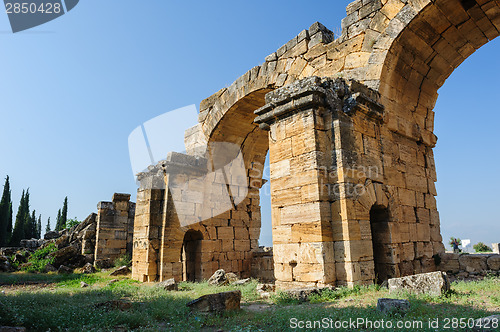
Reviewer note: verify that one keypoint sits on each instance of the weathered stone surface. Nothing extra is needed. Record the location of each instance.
(169, 285)
(449, 263)
(231, 277)
(103, 263)
(241, 282)
(218, 278)
(496, 247)
(51, 235)
(64, 270)
(4, 264)
(217, 302)
(433, 283)
(473, 263)
(494, 262)
(88, 269)
(393, 306)
(67, 256)
(121, 271)
(302, 294)
(83, 284)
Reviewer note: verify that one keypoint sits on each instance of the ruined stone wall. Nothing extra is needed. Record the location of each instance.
(115, 227)
(349, 126)
(262, 267)
(469, 266)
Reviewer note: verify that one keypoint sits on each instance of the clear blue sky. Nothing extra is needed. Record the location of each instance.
(74, 89)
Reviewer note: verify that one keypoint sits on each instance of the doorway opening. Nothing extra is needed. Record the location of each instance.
(381, 240)
(191, 256)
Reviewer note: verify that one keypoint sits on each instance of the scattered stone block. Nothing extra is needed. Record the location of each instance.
(302, 294)
(169, 285)
(218, 278)
(231, 277)
(83, 284)
(64, 270)
(51, 235)
(241, 282)
(433, 283)
(88, 269)
(121, 271)
(104, 263)
(218, 302)
(393, 306)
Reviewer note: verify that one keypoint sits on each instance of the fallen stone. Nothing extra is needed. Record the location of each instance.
(113, 281)
(51, 235)
(49, 268)
(4, 264)
(83, 284)
(169, 285)
(218, 302)
(121, 271)
(62, 241)
(103, 263)
(494, 262)
(472, 263)
(265, 295)
(241, 282)
(487, 323)
(88, 269)
(265, 288)
(496, 247)
(302, 294)
(64, 270)
(432, 283)
(31, 243)
(218, 278)
(231, 277)
(66, 256)
(393, 306)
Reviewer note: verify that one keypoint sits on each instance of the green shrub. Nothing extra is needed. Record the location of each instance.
(40, 258)
(123, 260)
(481, 247)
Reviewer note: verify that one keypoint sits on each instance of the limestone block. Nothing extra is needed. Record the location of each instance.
(473, 263)
(494, 262)
(434, 283)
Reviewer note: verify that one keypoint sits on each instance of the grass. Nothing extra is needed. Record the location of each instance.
(43, 302)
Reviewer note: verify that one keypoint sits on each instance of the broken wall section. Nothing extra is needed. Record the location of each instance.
(115, 228)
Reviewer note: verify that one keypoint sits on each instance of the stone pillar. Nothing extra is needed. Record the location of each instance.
(300, 204)
(114, 223)
(496, 247)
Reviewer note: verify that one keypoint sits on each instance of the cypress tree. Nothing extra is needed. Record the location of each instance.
(64, 213)
(31, 222)
(5, 214)
(47, 228)
(39, 227)
(27, 218)
(58, 221)
(18, 232)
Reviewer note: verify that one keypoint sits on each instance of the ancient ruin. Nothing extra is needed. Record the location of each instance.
(348, 123)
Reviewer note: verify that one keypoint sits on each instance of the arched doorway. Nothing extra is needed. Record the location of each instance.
(191, 256)
(381, 240)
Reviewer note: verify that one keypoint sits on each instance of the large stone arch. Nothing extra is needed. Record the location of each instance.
(355, 112)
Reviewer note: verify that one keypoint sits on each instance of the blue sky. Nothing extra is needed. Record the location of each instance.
(75, 88)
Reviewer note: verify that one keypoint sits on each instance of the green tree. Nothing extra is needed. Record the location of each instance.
(47, 228)
(481, 247)
(58, 221)
(72, 222)
(5, 214)
(22, 215)
(30, 224)
(39, 227)
(64, 213)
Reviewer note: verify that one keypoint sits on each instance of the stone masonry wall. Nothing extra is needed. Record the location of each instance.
(115, 227)
(463, 266)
